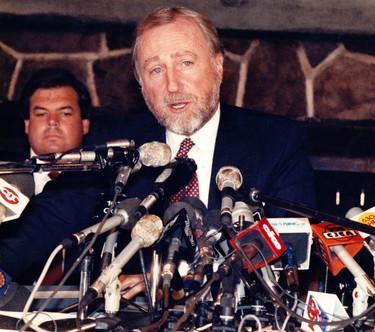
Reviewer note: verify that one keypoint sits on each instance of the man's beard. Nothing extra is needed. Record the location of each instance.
(186, 123)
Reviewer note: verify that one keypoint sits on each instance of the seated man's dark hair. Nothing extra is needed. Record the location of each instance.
(54, 77)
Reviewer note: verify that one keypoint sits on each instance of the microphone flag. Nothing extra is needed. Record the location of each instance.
(327, 235)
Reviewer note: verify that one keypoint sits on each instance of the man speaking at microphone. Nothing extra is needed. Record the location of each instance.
(178, 61)
(55, 107)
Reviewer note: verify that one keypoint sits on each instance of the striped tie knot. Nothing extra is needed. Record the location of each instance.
(192, 189)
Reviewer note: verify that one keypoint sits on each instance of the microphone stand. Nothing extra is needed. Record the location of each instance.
(361, 292)
(85, 278)
(256, 196)
(16, 168)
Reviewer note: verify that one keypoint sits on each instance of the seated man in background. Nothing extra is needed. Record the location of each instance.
(56, 108)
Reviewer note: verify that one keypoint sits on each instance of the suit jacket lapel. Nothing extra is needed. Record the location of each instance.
(227, 151)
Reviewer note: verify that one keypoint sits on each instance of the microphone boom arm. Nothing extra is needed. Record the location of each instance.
(256, 196)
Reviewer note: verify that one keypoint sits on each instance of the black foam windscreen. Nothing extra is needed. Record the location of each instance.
(15, 298)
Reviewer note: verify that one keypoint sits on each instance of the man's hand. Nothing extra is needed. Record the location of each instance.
(132, 285)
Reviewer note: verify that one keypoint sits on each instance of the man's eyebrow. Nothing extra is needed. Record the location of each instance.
(61, 108)
(180, 54)
(150, 60)
(173, 56)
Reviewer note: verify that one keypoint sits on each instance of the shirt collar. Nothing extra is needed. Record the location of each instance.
(206, 134)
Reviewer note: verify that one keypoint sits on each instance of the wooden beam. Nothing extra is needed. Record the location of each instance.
(318, 16)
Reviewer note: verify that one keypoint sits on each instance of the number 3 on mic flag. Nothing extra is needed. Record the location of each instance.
(12, 199)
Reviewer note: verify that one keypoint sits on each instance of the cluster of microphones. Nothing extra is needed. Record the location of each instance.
(222, 266)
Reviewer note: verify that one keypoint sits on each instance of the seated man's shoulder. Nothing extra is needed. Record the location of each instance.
(134, 125)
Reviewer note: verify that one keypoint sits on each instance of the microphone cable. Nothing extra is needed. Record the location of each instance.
(68, 274)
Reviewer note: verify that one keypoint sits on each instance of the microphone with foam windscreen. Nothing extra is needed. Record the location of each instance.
(145, 232)
(12, 201)
(152, 154)
(228, 180)
(123, 217)
(178, 215)
(366, 217)
(176, 176)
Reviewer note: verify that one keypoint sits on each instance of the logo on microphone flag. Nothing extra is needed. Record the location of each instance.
(322, 307)
(12, 199)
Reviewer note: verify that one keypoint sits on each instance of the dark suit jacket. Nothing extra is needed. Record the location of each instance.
(65, 206)
(269, 150)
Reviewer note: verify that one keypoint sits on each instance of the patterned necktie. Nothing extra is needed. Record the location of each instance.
(53, 175)
(192, 189)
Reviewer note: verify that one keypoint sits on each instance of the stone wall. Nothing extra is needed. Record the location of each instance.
(317, 79)
(324, 81)
(295, 76)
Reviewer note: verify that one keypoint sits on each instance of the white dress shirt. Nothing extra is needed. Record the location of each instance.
(202, 152)
(40, 178)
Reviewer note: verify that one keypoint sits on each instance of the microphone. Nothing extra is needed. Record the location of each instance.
(272, 244)
(228, 180)
(204, 265)
(152, 154)
(177, 216)
(228, 299)
(353, 212)
(241, 215)
(298, 233)
(12, 201)
(88, 154)
(169, 267)
(180, 240)
(108, 251)
(327, 235)
(145, 232)
(174, 177)
(119, 143)
(329, 239)
(155, 154)
(236, 262)
(123, 216)
(290, 268)
(354, 268)
(212, 228)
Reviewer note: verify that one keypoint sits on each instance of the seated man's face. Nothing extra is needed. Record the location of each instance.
(55, 123)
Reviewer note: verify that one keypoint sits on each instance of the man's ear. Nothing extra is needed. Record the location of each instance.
(26, 126)
(85, 126)
(219, 61)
